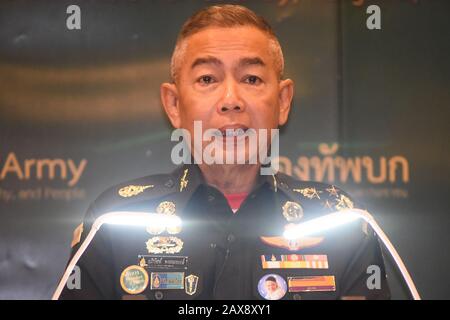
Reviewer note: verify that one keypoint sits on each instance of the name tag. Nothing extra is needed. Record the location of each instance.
(163, 262)
(311, 283)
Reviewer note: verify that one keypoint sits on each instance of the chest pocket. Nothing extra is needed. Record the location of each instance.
(301, 274)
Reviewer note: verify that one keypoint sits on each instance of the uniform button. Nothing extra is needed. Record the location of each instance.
(253, 196)
(297, 297)
(159, 295)
(231, 238)
(169, 183)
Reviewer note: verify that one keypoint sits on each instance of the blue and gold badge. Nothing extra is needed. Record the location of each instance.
(167, 280)
(134, 279)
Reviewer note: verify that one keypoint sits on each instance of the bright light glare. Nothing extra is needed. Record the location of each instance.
(144, 219)
(320, 224)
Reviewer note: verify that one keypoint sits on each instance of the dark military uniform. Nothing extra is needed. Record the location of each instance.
(224, 255)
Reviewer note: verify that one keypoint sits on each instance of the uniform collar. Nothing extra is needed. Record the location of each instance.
(188, 178)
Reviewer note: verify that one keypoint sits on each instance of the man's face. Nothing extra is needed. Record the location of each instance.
(271, 286)
(228, 80)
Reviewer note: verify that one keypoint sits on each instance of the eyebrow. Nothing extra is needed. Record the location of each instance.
(251, 61)
(242, 62)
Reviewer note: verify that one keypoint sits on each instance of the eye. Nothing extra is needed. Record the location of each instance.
(253, 80)
(205, 80)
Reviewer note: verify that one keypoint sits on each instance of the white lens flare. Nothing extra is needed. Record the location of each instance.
(320, 224)
(144, 219)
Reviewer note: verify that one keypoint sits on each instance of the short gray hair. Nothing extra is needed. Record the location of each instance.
(223, 16)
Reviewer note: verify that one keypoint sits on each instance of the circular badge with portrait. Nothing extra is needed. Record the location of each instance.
(272, 287)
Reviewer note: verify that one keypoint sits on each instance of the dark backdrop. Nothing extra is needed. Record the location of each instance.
(365, 99)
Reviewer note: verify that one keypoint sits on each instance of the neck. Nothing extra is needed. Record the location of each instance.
(230, 179)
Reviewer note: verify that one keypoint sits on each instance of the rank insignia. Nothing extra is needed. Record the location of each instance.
(344, 203)
(190, 284)
(134, 279)
(170, 245)
(183, 181)
(132, 190)
(294, 261)
(332, 191)
(311, 283)
(167, 280)
(166, 207)
(292, 245)
(76, 235)
(292, 211)
(309, 193)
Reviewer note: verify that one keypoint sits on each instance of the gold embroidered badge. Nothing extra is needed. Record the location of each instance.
(344, 203)
(292, 211)
(166, 207)
(132, 190)
(309, 193)
(332, 191)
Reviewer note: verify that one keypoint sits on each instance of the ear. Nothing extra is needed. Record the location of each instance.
(286, 93)
(170, 102)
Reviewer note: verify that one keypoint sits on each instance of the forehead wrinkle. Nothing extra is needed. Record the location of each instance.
(242, 62)
(249, 61)
(206, 60)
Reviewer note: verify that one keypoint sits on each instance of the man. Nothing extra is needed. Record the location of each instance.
(227, 73)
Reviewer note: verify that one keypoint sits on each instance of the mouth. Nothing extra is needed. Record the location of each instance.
(235, 130)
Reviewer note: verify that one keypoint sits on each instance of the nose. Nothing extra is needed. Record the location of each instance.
(231, 100)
